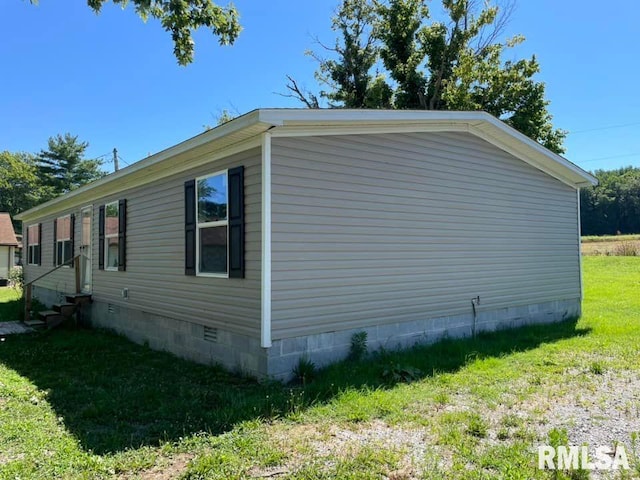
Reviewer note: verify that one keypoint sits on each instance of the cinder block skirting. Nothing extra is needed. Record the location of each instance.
(195, 342)
(325, 348)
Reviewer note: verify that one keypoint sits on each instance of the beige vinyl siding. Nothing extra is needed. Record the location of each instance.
(155, 255)
(62, 279)
(374, 229)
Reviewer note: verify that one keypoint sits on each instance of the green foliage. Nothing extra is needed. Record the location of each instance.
(304, 371)
(613, 206)
(358, 346)
(477, 426)
(20, 186)
(16, 278)
(63, 166)
(181, 18)
(455, 64)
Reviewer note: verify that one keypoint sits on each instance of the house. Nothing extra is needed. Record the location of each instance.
(282, 233)
(8, 246)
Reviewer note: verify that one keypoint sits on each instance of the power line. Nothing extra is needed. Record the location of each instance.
(611, 157)
(609, 127)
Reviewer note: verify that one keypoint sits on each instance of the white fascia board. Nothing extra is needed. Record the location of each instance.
(580, 178)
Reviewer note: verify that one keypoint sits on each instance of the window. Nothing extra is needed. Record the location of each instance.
(112, 236)
(111, 233)
(63, 243)
(33, 245)
(212, 224)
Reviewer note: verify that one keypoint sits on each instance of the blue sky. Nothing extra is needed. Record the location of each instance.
(113, 81)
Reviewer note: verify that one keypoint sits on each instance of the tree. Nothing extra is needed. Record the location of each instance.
(455, 64)
(612, 206)
(20, 186)
(63, 167)
(181, 18)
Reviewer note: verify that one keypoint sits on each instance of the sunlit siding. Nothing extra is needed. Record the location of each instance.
(155, 255)
(385, 228)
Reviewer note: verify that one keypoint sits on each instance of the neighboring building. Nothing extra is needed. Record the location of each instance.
(283, 232)
(8, 246)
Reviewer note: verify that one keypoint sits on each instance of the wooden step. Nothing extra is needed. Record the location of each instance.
(52, 318)
(79, 298)
(35, 323)
(66, 309)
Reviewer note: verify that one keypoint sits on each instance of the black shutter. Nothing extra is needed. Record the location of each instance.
(72, 226)
(55, 249)
(190, 227)
(39, 262)
(101, 238)
(236, 222)
(122, 235)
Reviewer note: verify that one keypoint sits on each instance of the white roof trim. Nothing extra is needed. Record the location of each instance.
(306, 122)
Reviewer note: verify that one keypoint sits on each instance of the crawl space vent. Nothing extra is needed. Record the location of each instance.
(111, 308)
(211, 334)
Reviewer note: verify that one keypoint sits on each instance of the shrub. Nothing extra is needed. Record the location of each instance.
(627, 249)
(358, 346)
(16, 278)
(304, 371)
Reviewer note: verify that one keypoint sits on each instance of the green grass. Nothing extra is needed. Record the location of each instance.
(88, 404)
(10, 304)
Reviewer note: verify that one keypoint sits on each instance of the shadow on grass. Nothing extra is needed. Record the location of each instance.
(11, 310)
(114, 395)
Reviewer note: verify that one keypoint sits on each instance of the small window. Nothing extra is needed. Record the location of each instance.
(63, 244)
(111, 231)
(212, 235)
(33, 242)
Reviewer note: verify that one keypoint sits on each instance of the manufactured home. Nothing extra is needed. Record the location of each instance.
(280, 234)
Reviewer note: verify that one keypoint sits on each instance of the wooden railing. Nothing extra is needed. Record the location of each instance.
(28, 287)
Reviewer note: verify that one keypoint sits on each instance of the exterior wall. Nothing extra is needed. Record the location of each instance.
(155, 276)
(325, 348)
(390, 229)
(6, 260)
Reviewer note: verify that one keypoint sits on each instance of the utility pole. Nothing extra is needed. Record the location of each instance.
(116, 167)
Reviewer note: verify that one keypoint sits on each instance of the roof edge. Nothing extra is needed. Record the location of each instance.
(478, 123)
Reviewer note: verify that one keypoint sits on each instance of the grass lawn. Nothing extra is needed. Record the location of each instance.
(87, 404)
(10, 304)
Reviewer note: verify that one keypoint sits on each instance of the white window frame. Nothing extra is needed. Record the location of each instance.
(219, 223)
(63, 240)
(112, 235)
(29, 244)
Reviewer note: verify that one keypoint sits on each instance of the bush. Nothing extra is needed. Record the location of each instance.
(304, 371)
(358, 346)
(627, 249)
(16, 278)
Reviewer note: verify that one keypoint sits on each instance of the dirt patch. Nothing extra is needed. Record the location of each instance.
(171, 468)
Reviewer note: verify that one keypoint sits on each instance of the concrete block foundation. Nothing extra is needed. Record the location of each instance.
(238, 352)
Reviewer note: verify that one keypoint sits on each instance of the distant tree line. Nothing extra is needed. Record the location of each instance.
(28, 179)
(613, 206)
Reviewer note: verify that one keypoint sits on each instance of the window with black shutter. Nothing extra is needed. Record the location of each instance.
(214, 224)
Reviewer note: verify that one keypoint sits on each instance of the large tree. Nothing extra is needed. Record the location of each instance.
(20, 185)
(454, 64)
(181, 18)
(612, 206)
(63, 167)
